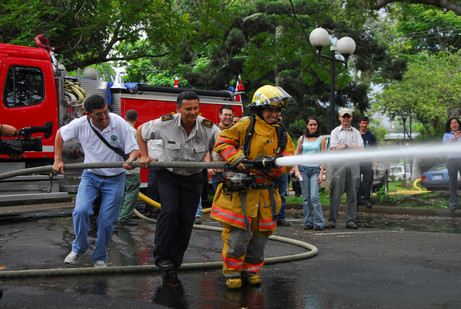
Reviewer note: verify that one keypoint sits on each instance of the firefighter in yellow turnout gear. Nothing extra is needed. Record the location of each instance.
(248, 213)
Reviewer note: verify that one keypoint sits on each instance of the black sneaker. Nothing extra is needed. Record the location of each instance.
(170, 278)
(318, 228)
(308, 227)
(352, 226)
(330, 225)
(198, 220)
(283, 222)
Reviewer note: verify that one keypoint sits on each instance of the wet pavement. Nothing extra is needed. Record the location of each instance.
(392, 261)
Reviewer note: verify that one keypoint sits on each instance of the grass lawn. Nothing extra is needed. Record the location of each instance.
(398, 196)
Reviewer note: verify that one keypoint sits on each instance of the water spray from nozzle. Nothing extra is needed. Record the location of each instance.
(433, 150)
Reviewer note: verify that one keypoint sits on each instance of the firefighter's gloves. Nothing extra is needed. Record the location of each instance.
(264, 163)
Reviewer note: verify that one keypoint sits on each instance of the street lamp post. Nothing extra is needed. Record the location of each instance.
(319, 38)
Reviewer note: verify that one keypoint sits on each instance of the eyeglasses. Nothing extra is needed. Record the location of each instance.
(346, 116)
(100, 115)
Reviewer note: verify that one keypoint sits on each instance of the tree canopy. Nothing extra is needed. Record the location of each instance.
(267, 43)
(85, 32)
(451, 5)
(429, 90)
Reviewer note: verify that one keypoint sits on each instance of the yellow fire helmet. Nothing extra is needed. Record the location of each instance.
(270, 97)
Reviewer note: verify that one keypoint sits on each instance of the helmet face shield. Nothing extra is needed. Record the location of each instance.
(270, 97)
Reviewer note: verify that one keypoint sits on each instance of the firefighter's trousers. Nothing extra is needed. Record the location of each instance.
(243, 250)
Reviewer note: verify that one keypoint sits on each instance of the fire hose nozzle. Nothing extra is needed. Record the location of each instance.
(262, 162)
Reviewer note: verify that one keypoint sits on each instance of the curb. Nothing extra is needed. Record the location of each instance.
(382, 209)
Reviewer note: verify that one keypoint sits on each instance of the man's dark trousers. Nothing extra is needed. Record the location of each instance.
(364, 191)
(180, 196)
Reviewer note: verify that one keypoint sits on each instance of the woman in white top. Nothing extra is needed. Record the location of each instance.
(311, 175)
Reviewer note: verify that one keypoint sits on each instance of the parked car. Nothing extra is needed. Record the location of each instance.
(296, 186)
(295, 183)
(397, 172)
(380, 176)
(437, 178)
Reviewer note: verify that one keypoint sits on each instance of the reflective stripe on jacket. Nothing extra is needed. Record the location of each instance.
(227, 206)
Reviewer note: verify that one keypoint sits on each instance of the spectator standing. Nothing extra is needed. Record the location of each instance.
(366, 167)
(225, 116)
(132, 181)
(108, 183)
(346, 175)
(281, 183)
(249, 214)
(204, 189)
(235, 119)
(453, 135)
(188, 137)
(311, 175)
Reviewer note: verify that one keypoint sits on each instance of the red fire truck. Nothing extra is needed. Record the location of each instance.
(36, 92)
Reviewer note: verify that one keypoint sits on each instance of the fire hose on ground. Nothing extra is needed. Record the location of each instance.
(311, 250)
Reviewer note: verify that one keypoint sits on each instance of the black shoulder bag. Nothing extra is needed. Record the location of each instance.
(117, 150)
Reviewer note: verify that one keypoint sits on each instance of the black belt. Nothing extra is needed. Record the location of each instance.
(102, 176)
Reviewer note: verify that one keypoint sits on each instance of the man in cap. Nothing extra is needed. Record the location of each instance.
(346, 175)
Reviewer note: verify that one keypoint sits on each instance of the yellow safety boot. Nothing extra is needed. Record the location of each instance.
(234, 283)
(252, 278)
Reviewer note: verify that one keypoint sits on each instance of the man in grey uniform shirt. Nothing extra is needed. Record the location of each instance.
(185, 137)
(346, 175)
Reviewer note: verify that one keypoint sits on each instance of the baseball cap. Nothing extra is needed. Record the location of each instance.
(344, 111)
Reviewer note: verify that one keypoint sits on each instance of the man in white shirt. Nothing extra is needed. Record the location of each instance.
(108, 183)
(346, 175)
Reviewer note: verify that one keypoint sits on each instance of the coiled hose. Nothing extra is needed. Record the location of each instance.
(311, 250)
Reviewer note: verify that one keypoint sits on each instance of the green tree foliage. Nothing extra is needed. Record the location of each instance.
(106, 71)
(267, 43)
(403, 30)
(425, 28)
(429, 89)
(451, 5)
(85, 32)
(378, 131)
(420, 36)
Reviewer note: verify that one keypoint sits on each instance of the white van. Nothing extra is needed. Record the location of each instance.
(397, 171)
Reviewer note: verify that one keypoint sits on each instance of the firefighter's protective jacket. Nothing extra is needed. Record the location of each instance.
(240, 208)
